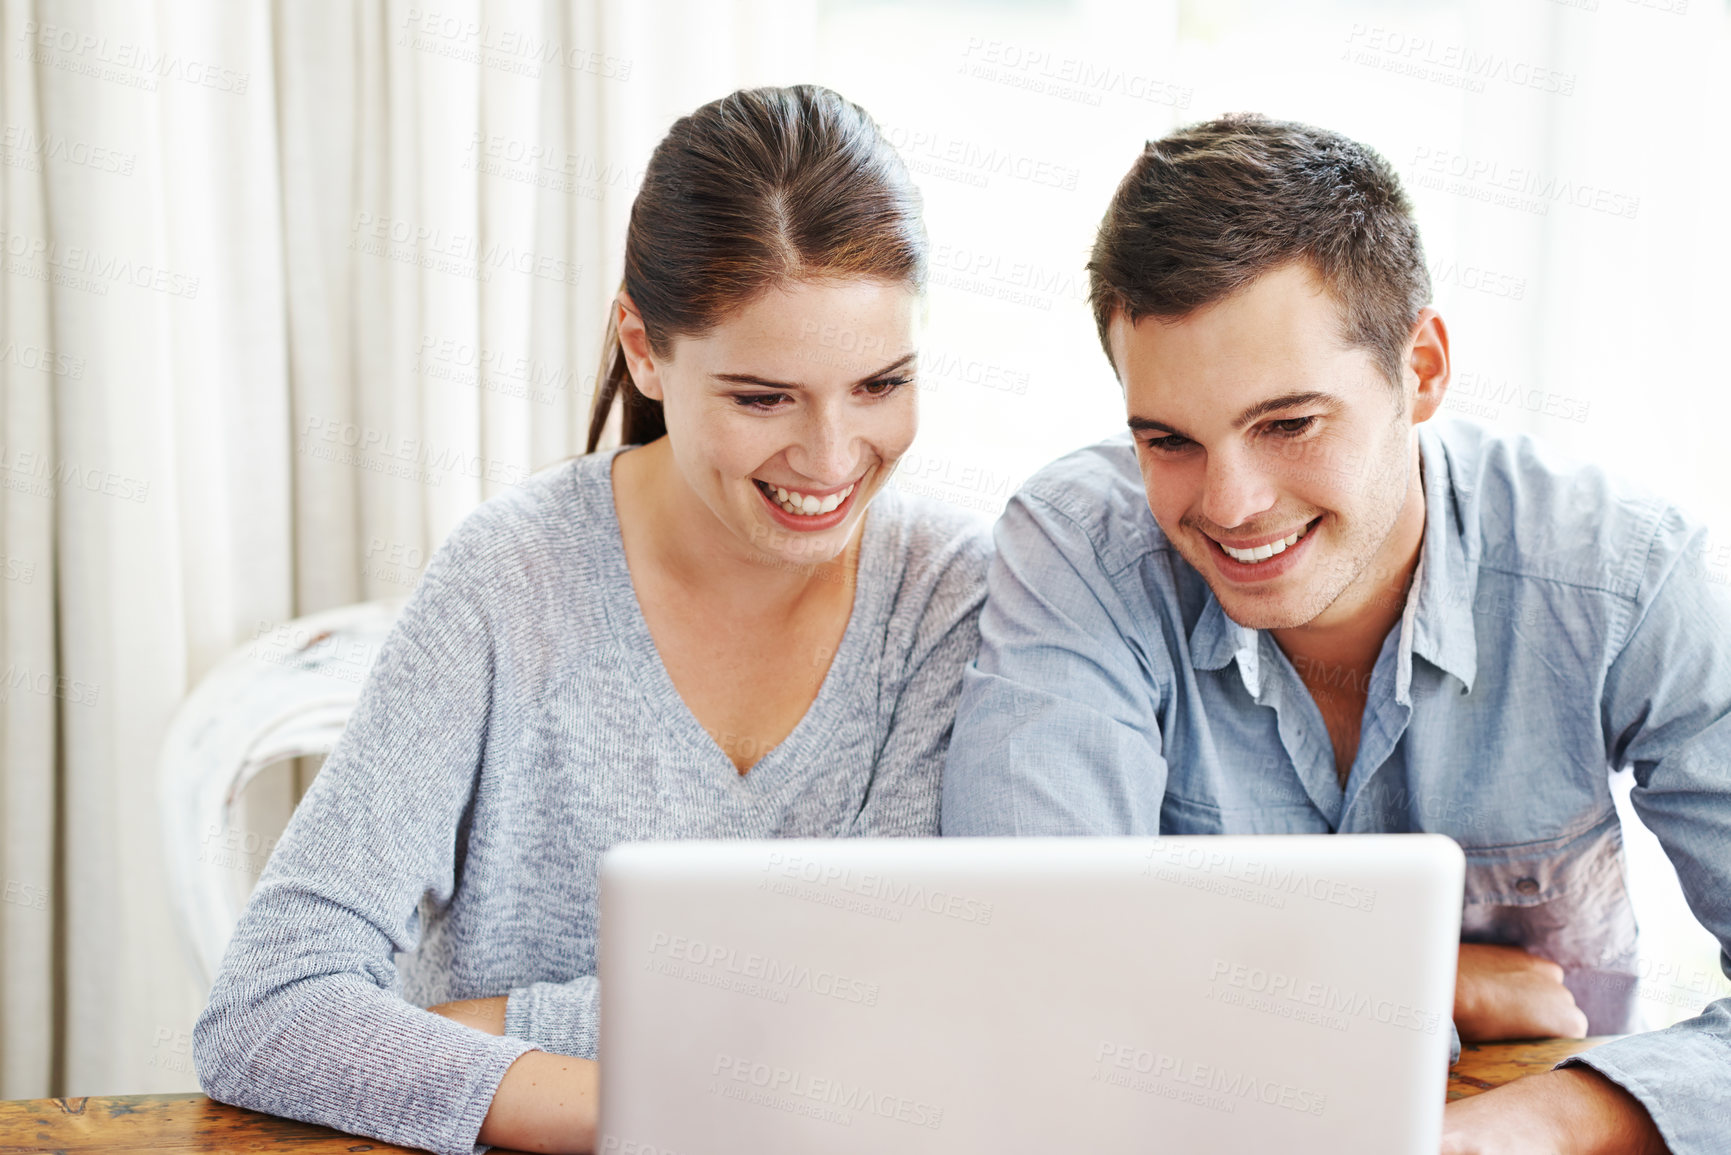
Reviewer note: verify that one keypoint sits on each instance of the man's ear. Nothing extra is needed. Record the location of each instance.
(640, 359)
(1427, 364)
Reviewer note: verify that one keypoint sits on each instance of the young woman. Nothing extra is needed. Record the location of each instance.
(727, 629)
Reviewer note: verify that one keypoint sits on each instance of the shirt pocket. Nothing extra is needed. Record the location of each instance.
(1563, 900)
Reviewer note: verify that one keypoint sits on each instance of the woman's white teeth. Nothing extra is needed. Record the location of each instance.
(1262, 552)
(805, 505)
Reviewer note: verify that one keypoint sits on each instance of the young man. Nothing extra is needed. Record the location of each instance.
(1285, 604)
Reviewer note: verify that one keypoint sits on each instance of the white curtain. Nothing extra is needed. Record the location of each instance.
(289, 288)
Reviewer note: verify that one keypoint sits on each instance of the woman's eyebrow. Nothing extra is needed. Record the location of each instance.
(762, 383)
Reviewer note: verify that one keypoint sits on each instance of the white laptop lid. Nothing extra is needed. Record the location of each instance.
(1219, 994)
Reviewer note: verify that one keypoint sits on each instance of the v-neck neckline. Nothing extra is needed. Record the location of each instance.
(671, 714)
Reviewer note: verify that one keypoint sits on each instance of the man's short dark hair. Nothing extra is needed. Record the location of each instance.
(1209, 208)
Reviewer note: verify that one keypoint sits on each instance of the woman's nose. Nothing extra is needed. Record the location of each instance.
(827, 452)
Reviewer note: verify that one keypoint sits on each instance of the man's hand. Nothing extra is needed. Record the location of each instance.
(1572, 1111)
(1502, 992)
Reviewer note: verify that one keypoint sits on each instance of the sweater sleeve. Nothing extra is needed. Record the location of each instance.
(564, 1018)
(906, 784)
(306, 1018)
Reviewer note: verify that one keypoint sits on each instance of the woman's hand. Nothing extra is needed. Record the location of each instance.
(545, 1102)
(1572, 1111)
(484, 1015)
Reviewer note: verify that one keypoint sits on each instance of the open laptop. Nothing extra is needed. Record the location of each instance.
(1218, 994)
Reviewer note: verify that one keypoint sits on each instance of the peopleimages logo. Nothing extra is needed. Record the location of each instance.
(1201, 1084)
(1514, 186)
(91, 270)
(832, 1100)
(897, 894)
(759, 975)
(1166, 860)
(615, 1145)
(1073, 78)
(135, 65)
(1322, 996)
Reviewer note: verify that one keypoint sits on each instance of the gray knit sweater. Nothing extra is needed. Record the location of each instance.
(516, 724)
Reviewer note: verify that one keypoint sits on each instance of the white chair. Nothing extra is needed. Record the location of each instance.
(286, 693)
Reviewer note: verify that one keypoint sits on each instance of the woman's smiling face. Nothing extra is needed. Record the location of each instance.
(786, 418)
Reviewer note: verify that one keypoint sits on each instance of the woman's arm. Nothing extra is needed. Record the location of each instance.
(306, 1018)
(545, 1102)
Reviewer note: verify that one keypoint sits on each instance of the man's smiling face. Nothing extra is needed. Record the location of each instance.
(1276, 457)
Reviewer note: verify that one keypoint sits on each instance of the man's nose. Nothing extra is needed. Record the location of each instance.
(1235, 490)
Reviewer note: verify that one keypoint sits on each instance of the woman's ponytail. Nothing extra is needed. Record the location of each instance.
(640, 418)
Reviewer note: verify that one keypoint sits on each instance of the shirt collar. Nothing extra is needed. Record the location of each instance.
(1447, 580)
(1217, 637)
(1437, 624)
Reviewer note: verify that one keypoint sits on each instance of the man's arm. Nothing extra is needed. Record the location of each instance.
(1570, 1111)
(1667, 713)
(1057, 730)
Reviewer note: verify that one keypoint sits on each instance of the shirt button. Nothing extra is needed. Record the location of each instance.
(1527, 886)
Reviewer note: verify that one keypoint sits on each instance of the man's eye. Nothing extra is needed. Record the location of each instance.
(1292, 426)
(885, 386)
(1168, 444)
(759, 400)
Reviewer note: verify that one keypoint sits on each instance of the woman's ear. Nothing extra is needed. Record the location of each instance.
(634, 343)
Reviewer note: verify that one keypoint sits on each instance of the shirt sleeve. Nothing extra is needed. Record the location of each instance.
(1058, 730)
(1667, 713)
(902, 799)
(306, 1018)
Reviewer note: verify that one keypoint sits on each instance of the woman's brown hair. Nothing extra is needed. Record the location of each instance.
(757, 189)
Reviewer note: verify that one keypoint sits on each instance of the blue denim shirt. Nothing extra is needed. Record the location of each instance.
(1559, 626)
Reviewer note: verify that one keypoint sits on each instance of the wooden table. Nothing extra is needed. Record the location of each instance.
(1487, 1065)
(193, 1123)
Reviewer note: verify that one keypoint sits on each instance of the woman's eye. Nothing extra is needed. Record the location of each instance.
(759, 400)
(1292, 426)
(885, 385)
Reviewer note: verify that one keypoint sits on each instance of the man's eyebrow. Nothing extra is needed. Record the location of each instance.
(1149, 425)
(1260, 409)
(748, 379)
(1285, 401)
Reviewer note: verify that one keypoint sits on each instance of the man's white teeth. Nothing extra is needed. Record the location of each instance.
(805, 505)
(1261, 552)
